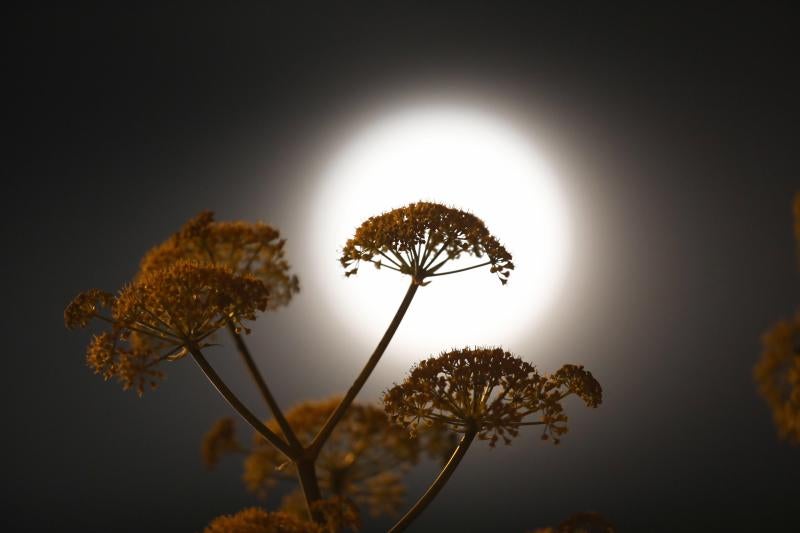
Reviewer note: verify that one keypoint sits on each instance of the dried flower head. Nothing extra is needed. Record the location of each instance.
(161, 316)
(420, 238)
(245, 248)
(85, 306)
(257, 520)
(778, 376)
(489, 391)
(362, 460)
(218, 441)
(185, 302)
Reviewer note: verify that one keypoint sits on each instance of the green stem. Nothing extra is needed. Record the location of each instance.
(240, 408)
(291, 437)
(337, 414)
(438, 483)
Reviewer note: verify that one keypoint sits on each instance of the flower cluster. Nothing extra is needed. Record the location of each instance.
(487, 391)
(257, 520)
(162, 315)
(420, 238)
(245, 248)
(778, 376)
(363, 460)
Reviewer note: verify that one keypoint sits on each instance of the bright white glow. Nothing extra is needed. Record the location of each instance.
(464, 158)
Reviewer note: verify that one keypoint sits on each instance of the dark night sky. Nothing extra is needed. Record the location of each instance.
(677, 129)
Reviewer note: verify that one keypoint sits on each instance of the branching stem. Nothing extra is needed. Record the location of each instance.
(240, 408)
(337, 414)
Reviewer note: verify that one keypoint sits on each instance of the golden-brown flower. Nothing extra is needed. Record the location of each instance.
(245, 248)
(186, 302)
(362, 460)
(489, 391)
(420, 238)
(86, 306)
(219, 440)
(338, 513)
(162, 315)
(778, 376)
(257, 520)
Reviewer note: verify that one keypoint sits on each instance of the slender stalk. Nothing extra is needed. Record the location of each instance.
(437, 484)
(240, 408)
(337, 415)
(290, 435)
(307, 474)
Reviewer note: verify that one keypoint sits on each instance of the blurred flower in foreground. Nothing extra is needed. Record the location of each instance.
(778, 376)
(420, 238)
(162, 315)
(580, 523)
(244, 247)
(489, 391)
(363, 461)
(257, 520)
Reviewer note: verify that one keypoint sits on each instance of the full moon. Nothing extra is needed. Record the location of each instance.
(465, 158)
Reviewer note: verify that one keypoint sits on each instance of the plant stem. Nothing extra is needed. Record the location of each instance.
(337, 415)
(438, 483)
(290, 435)
(307, 473)
(240, 408)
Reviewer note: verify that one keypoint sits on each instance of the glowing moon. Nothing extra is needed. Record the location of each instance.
(464, 158)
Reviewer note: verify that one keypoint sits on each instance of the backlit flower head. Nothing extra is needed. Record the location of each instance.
(362, 460)
(420, 238)
(257, 520)
(489, 391)
(778, 376)
(162, 315)
(187, 301)
(245, 248)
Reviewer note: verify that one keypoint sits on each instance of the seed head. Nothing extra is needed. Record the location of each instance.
(243, 247)
(489, 391)
(420, 238)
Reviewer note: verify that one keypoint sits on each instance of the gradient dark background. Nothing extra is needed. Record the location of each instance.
(677, 130)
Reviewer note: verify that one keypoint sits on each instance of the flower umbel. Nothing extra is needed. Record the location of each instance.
(245, 248)
(162, 315)
(778, 376)
(420, 238)
(488, 391)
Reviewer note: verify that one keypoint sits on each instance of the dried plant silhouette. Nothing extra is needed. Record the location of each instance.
(777, 372)
(348, 457)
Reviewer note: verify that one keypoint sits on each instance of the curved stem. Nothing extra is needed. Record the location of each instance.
(437, 484)
(337, 415)
(290, 435)
(240, 408)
